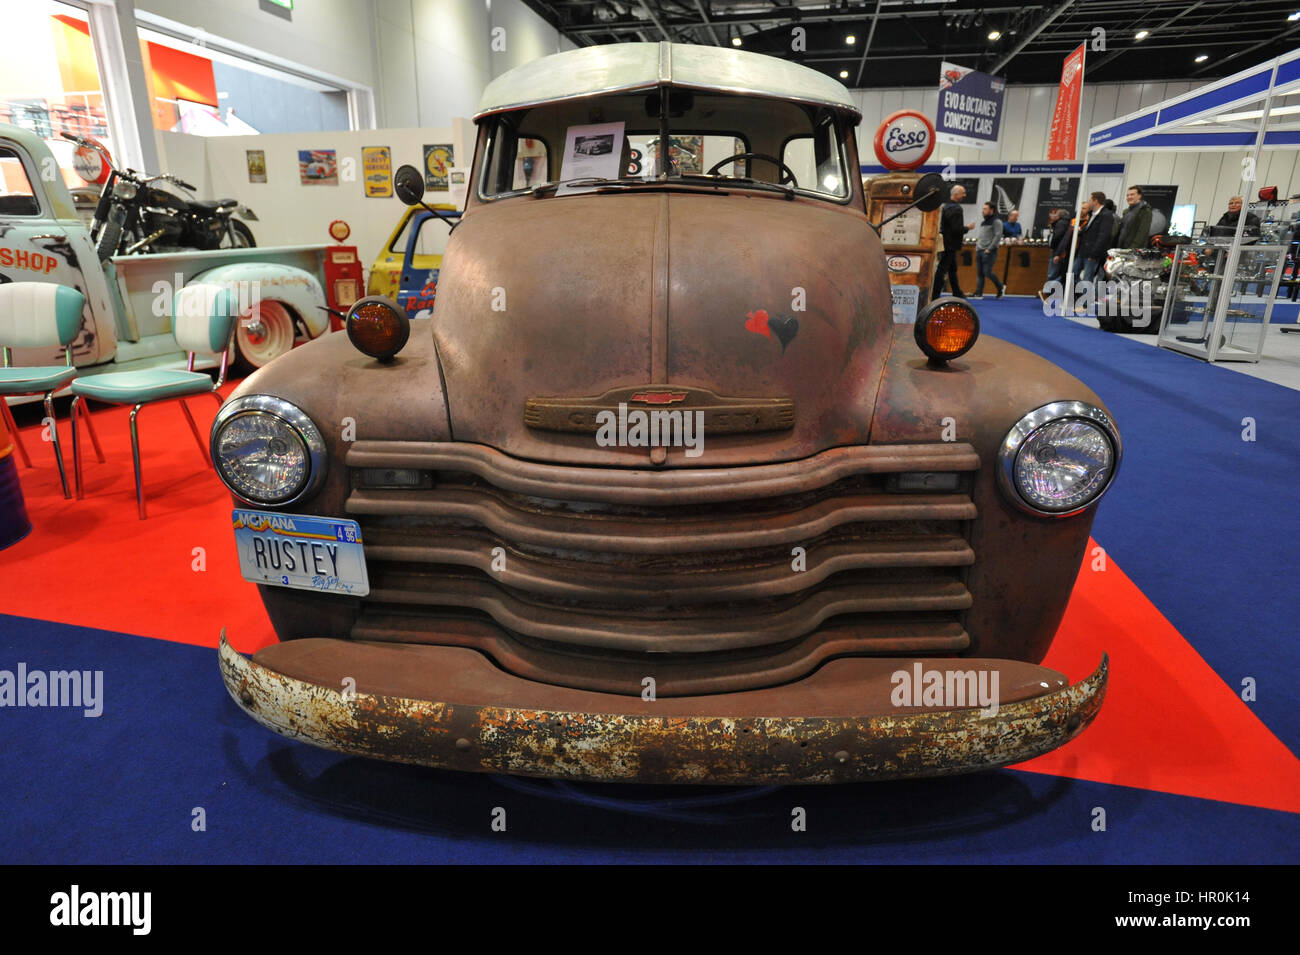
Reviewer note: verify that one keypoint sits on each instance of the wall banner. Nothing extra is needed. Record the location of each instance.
(1064, 137)
(970, 107)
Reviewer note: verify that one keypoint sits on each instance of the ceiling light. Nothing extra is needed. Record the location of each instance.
(844, 74)
(994, 34)
(1141, 34)
(850, 39)
(735, 41)
(1202, 58)
(1293, 17)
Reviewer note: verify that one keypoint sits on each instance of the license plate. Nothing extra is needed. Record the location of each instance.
(301, 551)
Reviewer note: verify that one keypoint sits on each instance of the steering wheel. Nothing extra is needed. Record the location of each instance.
(787, 172)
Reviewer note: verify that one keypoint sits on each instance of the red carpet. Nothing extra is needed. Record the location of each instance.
(1169, 722)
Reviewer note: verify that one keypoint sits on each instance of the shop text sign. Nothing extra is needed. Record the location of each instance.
(970, 107)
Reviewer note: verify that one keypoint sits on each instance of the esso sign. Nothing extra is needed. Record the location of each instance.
(904, 140)
(89, 165)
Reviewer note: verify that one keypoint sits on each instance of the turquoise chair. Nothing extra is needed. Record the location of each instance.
(202, 323)
(39, 315)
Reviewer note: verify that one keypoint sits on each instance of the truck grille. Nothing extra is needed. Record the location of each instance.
(587, 576)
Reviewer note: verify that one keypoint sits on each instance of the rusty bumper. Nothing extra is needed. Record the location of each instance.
(473, 717)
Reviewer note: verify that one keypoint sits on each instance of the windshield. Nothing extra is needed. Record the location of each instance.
(620, 139)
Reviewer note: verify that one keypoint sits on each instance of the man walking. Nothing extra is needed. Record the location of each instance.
(953, 231)
(1059, 244)
(1135, 226)
(986, 250)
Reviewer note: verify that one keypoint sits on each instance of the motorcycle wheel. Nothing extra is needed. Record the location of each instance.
(241, 236)
(264, 333)
(109, 239)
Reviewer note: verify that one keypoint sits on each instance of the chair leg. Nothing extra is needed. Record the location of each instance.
(76, 444)
(194, 430)
(94, 438)
(54, 440)
(135, 457)
(13, 429)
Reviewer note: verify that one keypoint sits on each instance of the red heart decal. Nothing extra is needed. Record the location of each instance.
(757, 322)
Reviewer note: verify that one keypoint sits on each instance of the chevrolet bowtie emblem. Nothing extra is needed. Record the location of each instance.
(657, 397)
(722, 415)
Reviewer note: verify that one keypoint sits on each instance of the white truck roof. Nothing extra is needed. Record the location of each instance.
(624, 67)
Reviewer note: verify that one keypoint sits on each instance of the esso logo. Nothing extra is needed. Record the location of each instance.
(898, 263)
(89, 165)
(904, 140)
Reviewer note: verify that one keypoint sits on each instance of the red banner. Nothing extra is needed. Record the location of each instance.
(1065, 119)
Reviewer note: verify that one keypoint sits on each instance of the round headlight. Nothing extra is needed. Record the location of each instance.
(378, 327)
(947, 328)
(267, 450)
(1060, 458)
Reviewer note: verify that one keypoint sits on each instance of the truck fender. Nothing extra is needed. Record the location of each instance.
(251, 282)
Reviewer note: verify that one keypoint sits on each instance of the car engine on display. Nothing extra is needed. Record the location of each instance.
(660, 492)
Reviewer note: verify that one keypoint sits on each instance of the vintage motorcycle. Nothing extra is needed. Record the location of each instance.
(141, 214)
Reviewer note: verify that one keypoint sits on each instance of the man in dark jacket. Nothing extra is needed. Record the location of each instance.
(1059, 243)
(1094, 240)
(953, 231)
(1135, 227)
(1227, 224)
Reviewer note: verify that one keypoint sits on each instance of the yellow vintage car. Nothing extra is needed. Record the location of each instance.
(406, 269)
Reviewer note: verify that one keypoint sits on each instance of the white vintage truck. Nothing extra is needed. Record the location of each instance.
(127, 318)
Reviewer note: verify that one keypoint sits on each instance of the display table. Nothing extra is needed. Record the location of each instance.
(1022, 268)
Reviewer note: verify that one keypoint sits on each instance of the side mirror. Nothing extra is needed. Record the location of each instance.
(930, 192)
(408, 184)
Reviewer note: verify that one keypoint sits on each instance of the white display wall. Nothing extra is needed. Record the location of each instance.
(290, 213)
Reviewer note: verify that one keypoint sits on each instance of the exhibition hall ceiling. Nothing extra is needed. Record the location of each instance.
(902, 42)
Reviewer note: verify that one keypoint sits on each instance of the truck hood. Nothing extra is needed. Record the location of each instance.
(566, 305)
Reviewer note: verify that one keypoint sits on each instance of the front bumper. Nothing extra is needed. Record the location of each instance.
(451, 708)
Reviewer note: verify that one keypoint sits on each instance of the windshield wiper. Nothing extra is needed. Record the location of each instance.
(541, 187)
(722, 181)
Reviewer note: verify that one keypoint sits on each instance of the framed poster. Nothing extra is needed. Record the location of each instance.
(1007, 194)
(1055, 192)
(377, 167)
(437, 160)
(1161, 199)
(256, 165)
(318, 167)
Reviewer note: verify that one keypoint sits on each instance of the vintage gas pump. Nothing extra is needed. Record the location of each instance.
(344, 280)
(906, 204)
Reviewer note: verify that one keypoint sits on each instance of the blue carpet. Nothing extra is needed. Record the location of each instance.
(1208, 525)
(122, 789)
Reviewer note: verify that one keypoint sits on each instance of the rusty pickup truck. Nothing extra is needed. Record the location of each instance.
(660, 492)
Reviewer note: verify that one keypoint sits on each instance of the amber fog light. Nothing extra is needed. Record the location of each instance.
(378, 327)
(947, 328)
